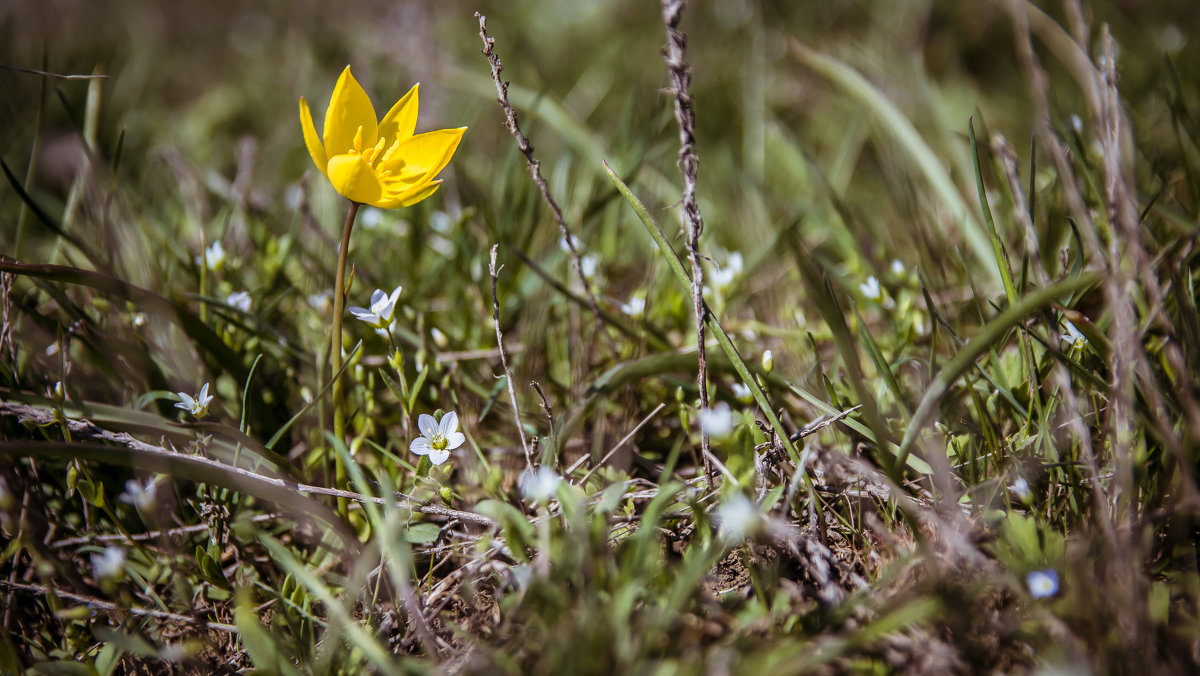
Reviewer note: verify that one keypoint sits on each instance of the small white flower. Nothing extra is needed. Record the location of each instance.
(1076, 124)
(437, 438)
(738, 518)
(173, 652)
(636, 307)
(239, 300)
(198, 405)
(320, 301)
(293, 197)
(439, 338)
(588, 264)
(138, 320)
(371, 218)
(722, 277)
(1042, 583)
(741, 392)
(382, 310)
(870, 288)
(214, 255)
(141, 497)
(768, 361)
(441, 222)
(1073, 336)
(540, 486)
(897, 267)
(110, 564)
(1020, 488)
(717, 421)
(575, 241)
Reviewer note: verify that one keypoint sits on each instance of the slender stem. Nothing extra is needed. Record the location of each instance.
(335, 351)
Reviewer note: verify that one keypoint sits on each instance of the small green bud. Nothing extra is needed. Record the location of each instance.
(446, 495)
(768, 361)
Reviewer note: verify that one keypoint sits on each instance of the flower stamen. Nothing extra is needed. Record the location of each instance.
(373, 153)
(391, 149)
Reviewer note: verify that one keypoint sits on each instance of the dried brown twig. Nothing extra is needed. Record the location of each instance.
(535, 171)
(158, 457)
(512, 393)
(689, 167)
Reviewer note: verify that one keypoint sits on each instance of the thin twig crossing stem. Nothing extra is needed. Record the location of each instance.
(535, 171)
(512, 393)
(689, 167)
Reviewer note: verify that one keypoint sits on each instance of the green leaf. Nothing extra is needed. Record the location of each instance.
(259, 644)
(422, 533)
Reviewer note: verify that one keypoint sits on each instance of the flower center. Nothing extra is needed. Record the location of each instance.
(439, 442)
(376, 153)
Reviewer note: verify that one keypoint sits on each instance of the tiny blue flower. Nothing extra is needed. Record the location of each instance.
(1042, 583)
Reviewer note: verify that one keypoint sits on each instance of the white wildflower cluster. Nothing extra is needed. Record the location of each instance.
(717, 421)
(239, 300)
(197, 406)
(1042, 583)
(110, 564)
(214, 256)
(540, 486)
(139, 495)
(636, 307)
(1073, 337)
(438, 437)
(723, 277)
(382, 311)
(738, 518)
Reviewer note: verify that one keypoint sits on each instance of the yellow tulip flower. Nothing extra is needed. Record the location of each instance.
(378, 163)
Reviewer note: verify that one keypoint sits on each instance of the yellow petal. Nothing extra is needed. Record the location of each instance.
(354, 179)
(408, 196)
(349, 109)
(401, 120)
(310, 136)
(421, 194)
(420, 158)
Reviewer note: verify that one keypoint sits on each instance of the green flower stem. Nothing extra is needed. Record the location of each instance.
(335, 353)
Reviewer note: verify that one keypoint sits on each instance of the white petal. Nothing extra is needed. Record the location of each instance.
(377, 297)
(395, 295)
(359, 312)
(203, 391)
(448, 424)
(427, 425)
(420, 446)
(385, 313)
(455, 439)
(438, 457)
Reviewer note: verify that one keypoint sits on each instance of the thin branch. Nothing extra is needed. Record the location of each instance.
(546, 409)
(689, 167)
(86, 431)
(512, 392)
(100, 604)
(620, 443)
(535, 170)
(44, 73)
